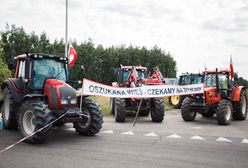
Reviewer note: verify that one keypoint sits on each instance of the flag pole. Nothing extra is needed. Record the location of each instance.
(66, 29)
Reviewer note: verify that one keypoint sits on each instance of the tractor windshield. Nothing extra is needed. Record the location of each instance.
(190, 79)
(210, 80)
(45, 68)
(140, 73)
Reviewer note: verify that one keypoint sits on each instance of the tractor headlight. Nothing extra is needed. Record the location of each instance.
(64, 101)
(74, 101)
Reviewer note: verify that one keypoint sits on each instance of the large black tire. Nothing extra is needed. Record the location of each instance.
(92, 125)
(157, 109)
(34, 115)
(9, 110)
(120, 110)
(224, 112)
(176, 101)
(112, 106)
(187, 115)
(240, 108)
(209, 113)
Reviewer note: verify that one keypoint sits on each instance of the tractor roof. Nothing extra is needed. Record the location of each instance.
(191, 74)
(135, 67)
(227, 70)
(39, 55)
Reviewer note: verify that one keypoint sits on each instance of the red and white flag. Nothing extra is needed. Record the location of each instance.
(231, 68)
(72, 56)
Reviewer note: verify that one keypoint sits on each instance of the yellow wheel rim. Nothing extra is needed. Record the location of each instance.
(174, 100)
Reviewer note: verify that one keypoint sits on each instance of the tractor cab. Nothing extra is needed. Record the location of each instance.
(127, 74)
(33, 70)
(218, 82)
(190, 78)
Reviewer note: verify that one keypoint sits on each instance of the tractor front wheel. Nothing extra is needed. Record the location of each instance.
(187, 115)
(120, 110)
(224, 112)
(157, 109)
(176, 101)
(9, 110)
(33, 116)
(240, 108)
(93, 123)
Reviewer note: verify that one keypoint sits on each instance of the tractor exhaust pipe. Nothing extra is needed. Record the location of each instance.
(217, 80)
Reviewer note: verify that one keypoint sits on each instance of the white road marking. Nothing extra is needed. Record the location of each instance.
(70, 129)
(174, 136)
(222, 139)
(245, 141)
(197, 127)
(152, 134)
(128, 133)
(107, 132)
(196, 137)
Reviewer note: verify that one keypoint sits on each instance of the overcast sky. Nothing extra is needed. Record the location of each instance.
(195, 32)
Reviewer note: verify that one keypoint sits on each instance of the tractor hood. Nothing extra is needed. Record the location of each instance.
(59, 94)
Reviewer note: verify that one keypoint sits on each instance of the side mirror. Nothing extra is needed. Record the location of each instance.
(83, 69)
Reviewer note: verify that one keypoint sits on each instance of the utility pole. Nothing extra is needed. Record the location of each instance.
(66, 29)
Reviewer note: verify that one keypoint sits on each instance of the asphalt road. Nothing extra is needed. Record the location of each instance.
(173, 143)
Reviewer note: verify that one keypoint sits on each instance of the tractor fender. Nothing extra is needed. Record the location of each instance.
(115, 84)
(14, 86)
(236, 93)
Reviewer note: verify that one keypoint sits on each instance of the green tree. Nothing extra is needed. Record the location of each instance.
(4, 71)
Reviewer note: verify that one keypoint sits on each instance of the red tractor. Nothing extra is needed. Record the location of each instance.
(136, 76)
(39, 94)
(222, 96)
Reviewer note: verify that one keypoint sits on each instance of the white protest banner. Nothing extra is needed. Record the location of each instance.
(97, 89)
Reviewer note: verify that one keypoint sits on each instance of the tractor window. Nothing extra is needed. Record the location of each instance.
(222, 81)
(45, 68)
(21, 73)
(142, 74)
(210, 80)
(125, 75)
(185, 80)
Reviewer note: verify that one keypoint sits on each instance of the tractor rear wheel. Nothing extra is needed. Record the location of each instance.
(176, 101)
(157, 109)
(224, 112)
(240, 108)
(9, 110)
(93, 124)
(187, 115)
(120, 110)
(33, 116)
(112, 106)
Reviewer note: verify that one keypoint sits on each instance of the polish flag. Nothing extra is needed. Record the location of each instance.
(231, 68)
(72, 55)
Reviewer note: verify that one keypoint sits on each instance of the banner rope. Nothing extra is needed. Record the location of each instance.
(21, 140)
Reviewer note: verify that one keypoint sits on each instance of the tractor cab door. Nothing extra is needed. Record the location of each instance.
(224, 85)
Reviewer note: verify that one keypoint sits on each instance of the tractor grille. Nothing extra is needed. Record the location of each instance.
(67, 93)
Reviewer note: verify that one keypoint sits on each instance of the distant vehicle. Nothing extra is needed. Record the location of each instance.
(136, 76)
(185, 79)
